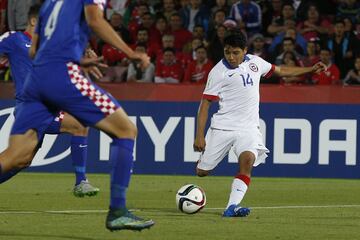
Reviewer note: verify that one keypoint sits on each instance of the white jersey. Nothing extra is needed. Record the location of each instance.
(238, 92)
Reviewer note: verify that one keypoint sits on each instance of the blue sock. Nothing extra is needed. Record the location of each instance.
(79, 156)
(121, 158)
(6, 176)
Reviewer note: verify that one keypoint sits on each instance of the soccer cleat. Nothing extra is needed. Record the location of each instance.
(84, 188)
(122, 219)
(236, 211)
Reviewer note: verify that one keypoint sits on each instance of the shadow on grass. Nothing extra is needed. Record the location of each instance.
(14, 235)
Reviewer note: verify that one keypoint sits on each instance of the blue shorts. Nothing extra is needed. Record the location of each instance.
(60, 86)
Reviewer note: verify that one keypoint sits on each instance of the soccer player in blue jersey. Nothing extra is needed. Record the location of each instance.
(57, 83)
(16, 45)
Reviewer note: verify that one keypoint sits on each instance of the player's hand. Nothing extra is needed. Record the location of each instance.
(93, 71)
(319, 67)
(199, 144)
(91, 65)
(93, 61)
(144, 58)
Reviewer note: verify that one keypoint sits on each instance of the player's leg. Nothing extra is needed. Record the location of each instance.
(69, 124)
(218, 144)
(93, 106)
(250, 151)
(123, 133)
(240, 185)
(18, 155)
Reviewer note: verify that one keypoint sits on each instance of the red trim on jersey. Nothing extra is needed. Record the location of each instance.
(210, 97)
(271, 71)
(243, 178)
(28, 35)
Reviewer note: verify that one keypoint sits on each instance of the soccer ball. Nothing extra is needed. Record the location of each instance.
(190, 199)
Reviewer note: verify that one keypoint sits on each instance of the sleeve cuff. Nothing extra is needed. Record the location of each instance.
(271, 71)
(210, 97)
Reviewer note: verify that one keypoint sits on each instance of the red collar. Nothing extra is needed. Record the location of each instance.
(28, 35)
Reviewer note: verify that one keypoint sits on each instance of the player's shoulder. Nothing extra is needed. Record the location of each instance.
(8, 35)
(219, 68)
(250, 58)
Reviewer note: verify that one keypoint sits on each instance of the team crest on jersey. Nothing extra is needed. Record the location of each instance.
(253, 67)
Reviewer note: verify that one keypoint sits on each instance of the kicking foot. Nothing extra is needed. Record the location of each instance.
(84, 188)
(122, 219)
(236, 211)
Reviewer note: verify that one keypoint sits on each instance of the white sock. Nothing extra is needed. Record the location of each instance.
(238, 190)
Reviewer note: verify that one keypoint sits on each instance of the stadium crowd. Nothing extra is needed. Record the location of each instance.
(184, 38)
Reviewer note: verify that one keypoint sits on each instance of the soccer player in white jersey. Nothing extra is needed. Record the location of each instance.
(234, 81)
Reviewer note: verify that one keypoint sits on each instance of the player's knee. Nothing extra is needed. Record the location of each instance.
(79, 130)
(127, 131)
(201, 173)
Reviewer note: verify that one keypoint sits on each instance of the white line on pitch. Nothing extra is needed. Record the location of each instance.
(156, 210)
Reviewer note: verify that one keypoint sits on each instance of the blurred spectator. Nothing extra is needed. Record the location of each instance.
(168, 41)
(313, 26)
(312, 52)
(168, 71)
(136, 73)
(216, 45)
(217, 20)
(289, 60)
(271, 10)
(353, 76)
(151, 46)
(288, 45)
(182, 36)
(248, 15)
(116, 21)
(221, 5)
(161, 26)
(199, 32)
(137, 10)
(282, 23)
(117, 62)
(331, 75)
(147, 22)
(17, 13)
(300, 41)
(342, 47)
(3, 7)
(113, 56)
(257, 46)
(198, 70)
(327, 8)
(168, 9)
(350, 30)
(350, 9)
(184, 3)
(189, 50)
(195, 14)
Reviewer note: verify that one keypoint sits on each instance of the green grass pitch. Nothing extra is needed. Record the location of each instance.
(41, 206)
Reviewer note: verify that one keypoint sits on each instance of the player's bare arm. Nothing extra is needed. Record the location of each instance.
(34, 45)
(94, 18)
(298, 71)
(202, 116)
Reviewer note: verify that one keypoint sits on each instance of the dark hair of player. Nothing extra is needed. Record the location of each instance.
(235, 39)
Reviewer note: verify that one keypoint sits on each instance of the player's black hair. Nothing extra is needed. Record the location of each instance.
(235, 39)
(34, 11)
